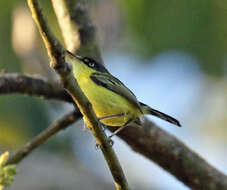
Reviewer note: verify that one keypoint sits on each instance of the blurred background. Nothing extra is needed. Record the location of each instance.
(172, 54)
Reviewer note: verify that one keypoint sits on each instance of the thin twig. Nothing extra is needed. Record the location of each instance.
(56, 54)
(52, 130)
(54, 48)
(78, 31)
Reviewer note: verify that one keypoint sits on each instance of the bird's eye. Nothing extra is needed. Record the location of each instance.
(91, 64)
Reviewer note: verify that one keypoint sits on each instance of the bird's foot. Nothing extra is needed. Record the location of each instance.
(103, 126)
(97, 146)
(85, 127)
(111, 116)
(109, 140)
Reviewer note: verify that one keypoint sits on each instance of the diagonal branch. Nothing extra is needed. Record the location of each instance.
(41, 138)
(173, 156)
(57, 54)
(78, 31)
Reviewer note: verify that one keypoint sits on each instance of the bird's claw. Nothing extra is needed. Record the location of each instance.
(97, 146)
(110, 141)
(85, 127)
(103, 127)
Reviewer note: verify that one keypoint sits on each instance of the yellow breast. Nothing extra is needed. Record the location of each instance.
(106, 103)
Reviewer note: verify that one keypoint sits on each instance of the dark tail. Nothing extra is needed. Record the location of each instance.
(148, 110)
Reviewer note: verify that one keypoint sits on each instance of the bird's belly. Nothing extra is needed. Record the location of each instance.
(107, 103)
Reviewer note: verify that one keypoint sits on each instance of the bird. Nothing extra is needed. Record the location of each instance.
(114, 104)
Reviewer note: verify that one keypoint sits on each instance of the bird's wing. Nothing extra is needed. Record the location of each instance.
(112, 83)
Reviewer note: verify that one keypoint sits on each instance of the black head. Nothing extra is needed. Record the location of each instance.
(93, 64)
(90, 63)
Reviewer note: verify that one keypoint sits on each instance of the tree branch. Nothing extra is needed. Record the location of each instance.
(53, 129)
(11, 83)
(77, 28)
(57, 53)
(173, 156)
(150, 141)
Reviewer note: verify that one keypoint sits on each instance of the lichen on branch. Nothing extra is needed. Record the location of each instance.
(7, 171)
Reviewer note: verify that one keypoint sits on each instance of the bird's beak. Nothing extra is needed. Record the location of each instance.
(70, 55)
(75, 61)
(72, 58)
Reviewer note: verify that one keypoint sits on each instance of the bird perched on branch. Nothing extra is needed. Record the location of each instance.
(113, 103)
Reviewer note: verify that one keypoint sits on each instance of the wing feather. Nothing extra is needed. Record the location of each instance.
(112, 83)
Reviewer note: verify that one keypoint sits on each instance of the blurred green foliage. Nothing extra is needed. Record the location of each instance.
(21, 117)
(197, 26)
(7, 59)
